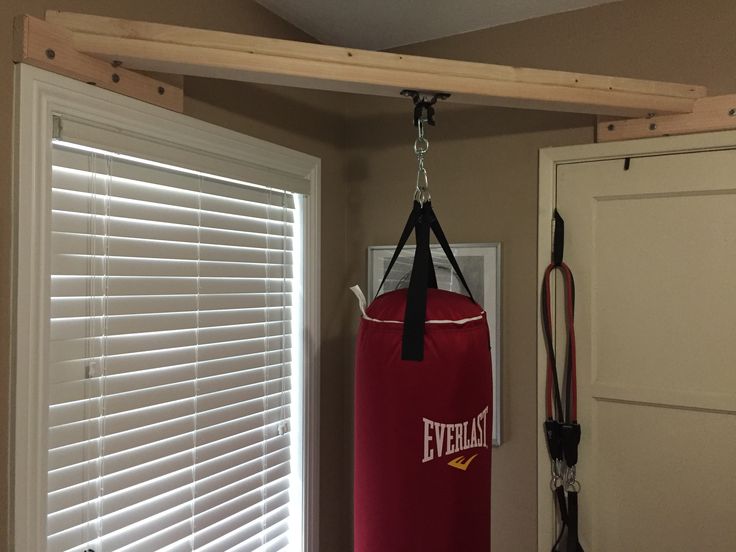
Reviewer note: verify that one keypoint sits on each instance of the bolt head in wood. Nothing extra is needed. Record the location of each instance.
(115, 77)
(611, 127)
(732, 112)
(652, 127)
(161, 90)
(50, 54)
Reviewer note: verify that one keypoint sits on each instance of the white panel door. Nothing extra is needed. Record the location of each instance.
(653, 250)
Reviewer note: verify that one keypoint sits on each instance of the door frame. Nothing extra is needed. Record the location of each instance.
(549, 161)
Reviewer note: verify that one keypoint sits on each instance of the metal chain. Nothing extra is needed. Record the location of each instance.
(421, 147)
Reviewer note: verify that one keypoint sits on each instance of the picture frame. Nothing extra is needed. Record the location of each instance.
(481, 266)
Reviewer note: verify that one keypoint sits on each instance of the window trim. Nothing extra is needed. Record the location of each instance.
(39, 95)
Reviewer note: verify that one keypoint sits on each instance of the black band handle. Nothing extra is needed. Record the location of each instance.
(573, 537)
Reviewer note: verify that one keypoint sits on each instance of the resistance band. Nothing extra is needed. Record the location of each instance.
(561, 427)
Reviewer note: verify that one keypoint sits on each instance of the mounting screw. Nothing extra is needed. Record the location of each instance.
(50, 53)
(652, 127)
(650, 115)
(116, 63)
(611, 127)
(732, 112)
(161, 90)
(115, 77)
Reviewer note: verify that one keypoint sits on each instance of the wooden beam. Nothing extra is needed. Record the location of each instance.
(205, 53)
(709, 114)
(50, 47)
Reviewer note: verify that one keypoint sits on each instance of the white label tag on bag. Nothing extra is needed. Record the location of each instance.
(361, 298)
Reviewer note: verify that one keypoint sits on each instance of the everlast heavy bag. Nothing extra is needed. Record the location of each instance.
(423, 412)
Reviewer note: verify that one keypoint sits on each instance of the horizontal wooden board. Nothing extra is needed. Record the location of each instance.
(172, 49)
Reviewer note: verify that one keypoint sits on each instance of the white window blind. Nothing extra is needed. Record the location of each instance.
(170, 361)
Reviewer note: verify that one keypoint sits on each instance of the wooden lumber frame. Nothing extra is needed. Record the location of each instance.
(50, 47)
(709, 114)
(205, 53)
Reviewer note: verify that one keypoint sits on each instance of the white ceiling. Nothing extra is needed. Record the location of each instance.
(382, 24)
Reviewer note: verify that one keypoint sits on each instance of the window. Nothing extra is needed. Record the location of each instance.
(175, 365)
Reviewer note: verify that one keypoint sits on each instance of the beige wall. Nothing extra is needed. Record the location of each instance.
(483, 173)
(304, 120)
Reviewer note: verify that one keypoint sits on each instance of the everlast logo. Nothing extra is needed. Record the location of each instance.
(449, 439)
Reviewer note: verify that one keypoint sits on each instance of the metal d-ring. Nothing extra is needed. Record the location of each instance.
(571, 482)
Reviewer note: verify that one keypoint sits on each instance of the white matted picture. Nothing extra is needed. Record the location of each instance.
(480, 264)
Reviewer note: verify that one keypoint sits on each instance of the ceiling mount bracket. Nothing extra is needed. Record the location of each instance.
(424, 104)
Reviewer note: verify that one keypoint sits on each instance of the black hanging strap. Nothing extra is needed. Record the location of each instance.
(442, 240)
(422, 220)
(416, 299)
(432, 276)
(412, 344)
(408, 229)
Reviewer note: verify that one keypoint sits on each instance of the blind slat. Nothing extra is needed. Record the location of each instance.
(72, 307)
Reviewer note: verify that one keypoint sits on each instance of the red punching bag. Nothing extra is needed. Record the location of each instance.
(423, 412)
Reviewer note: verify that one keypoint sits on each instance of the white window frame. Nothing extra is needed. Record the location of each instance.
(38, 96)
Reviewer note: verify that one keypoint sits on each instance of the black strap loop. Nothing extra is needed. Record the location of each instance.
(558, 247)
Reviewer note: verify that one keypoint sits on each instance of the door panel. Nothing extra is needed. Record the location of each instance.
(653, 250)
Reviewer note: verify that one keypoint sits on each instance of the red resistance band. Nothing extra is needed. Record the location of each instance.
(561, 427)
